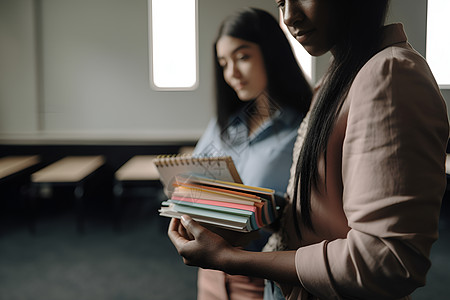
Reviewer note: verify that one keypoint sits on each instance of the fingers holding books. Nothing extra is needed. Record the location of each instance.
(197, 245)
(235, 238)
(177, 233)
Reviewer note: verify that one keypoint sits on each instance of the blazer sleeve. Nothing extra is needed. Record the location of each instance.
(393, 173)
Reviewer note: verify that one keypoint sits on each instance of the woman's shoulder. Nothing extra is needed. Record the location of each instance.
(396, 77)
(209, 136)
(396, 58)
(212, 128)
(397, 69)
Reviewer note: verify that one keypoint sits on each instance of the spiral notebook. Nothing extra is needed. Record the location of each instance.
(218, 168)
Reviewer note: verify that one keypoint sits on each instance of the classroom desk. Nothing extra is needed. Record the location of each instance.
(138, 178)
(10, 165)
(73, 172)
(15, 173)
(138, 168)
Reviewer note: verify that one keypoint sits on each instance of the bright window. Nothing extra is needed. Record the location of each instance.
(173, 44)
(438, 41)
(303, 57)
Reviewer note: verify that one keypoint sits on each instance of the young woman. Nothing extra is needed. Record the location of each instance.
(370, 175)
(262, 96)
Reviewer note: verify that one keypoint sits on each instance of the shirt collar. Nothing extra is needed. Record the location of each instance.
(393, 34)
(286, 117)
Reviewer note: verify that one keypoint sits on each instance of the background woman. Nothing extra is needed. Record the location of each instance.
(262, 96)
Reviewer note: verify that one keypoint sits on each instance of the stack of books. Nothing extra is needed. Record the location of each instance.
(210, 190)
(224, 204)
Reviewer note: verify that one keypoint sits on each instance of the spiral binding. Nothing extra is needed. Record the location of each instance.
(171, 160)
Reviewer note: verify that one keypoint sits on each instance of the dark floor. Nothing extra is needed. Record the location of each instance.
(137, 263)
(58, 263)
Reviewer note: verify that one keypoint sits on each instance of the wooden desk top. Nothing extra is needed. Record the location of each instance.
(69, 169)
(13, 164)
(139, 167)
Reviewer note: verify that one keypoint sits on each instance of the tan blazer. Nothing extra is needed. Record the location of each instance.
(377, 217)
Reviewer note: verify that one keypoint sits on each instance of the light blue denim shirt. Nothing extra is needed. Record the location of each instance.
(263, 159)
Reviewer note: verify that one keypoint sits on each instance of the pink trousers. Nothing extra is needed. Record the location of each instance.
(217, 285)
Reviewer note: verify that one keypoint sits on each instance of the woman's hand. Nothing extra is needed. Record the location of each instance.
(197, 245)
(235, 238)
(200, 247)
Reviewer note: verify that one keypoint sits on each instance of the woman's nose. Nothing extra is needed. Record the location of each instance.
(234, 71)
(292, 13)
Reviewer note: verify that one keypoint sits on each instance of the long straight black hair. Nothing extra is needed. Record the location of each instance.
(362, 38)
(286, 83)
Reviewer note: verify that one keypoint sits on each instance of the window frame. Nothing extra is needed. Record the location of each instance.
(150, 54)
(445, 85)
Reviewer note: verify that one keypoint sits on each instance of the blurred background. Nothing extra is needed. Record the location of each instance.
(77, 78)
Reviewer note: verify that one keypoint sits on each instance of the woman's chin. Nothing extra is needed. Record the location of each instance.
(244, 96)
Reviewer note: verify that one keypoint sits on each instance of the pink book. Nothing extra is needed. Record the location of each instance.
(217, 203)
(256, 209)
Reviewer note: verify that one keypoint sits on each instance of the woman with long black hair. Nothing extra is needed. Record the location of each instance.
(370, 175)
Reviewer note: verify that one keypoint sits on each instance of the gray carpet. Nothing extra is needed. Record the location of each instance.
(136, 264)
(438, 278)
(59, 264)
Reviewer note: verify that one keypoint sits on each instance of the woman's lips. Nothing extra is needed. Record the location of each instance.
(302, 36)
(239, 86)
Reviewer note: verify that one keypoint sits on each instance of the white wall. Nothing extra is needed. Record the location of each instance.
(93, 84)
(18, 86)
(81, 75)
